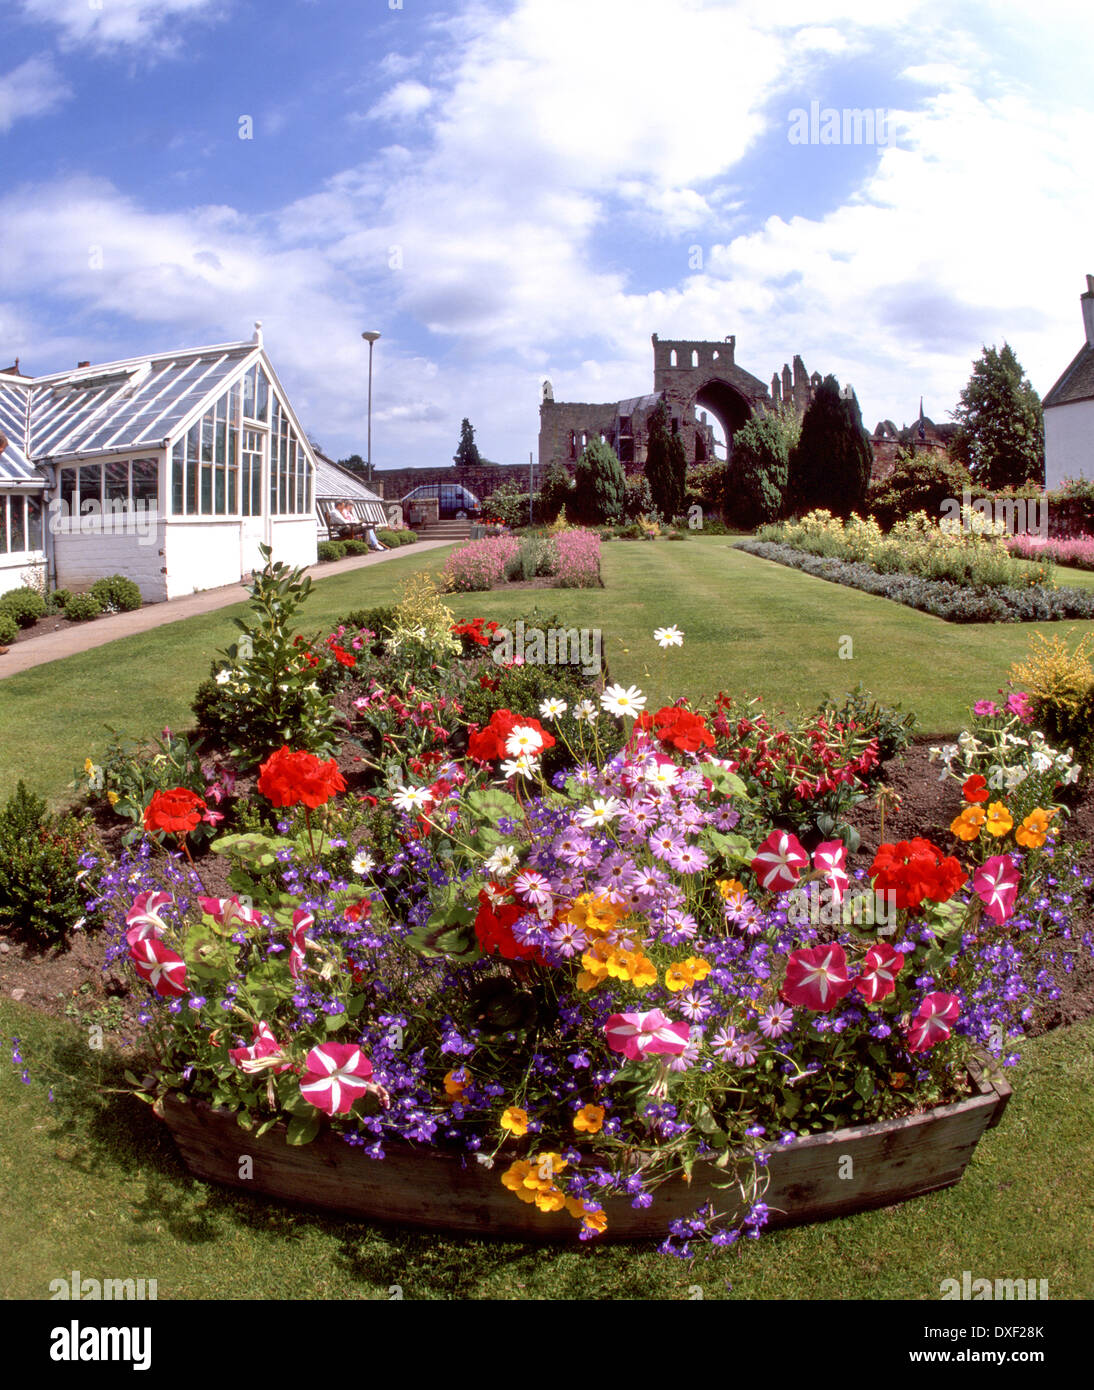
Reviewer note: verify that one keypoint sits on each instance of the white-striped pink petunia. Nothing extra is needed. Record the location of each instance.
(778, 861)
(335, 1075)
(996, 883)
(164, 970)
(830, 859)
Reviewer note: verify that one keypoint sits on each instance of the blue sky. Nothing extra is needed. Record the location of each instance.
(513, 190)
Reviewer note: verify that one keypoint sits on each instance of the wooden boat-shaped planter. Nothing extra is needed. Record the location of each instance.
(810, 1180)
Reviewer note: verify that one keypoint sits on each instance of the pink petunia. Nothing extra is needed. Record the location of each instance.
(164, 970)
(779, 860)
(830, 858)
(932, 1022)
(143, 918)
(646, 1034)
(264, 1044)
(302, 919)
(996, 883)
(335, 1075)
(227, 912)
(880, 969)
(816, 978)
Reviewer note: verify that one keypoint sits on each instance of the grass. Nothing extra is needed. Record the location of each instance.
(750, 626)
(91, 1182)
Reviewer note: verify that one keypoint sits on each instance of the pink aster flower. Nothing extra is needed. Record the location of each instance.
(776, 1020)
(880, 969)
(987, 708)
(1018, 703)
(335, 1075)
(816, 978)
(689, 859)
(644, 1034)
(932, 1022)
(533, 887)
(779, 860)
(665, 842)
(996, 883)
(163, 968)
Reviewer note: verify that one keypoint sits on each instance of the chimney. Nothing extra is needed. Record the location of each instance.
(1087, 301)
(82, 364)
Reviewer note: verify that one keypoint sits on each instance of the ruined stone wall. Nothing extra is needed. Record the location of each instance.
(565, 427)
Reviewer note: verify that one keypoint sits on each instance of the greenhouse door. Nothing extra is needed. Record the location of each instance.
(254, 525)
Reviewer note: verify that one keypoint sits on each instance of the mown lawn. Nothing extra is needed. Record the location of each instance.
(92, 1182)
(750, 626)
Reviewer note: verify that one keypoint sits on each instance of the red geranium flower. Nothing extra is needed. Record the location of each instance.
(176, 811)
(975, 788)
(678, 728)
(487, 745)
(494, 927)
(914, 870)
(816, 978)
(286, 778)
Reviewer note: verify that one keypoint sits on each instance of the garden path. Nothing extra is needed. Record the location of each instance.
(52, 646)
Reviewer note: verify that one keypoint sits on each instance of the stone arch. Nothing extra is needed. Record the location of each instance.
(729, 406)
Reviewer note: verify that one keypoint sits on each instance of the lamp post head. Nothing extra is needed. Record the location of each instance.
(370, 337)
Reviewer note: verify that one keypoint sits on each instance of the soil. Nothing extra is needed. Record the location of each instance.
(70, 980)
(53, 623)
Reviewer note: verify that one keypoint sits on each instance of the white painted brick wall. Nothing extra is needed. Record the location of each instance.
(201, 555)
(83, 556)
(295, 542)
(13, 572)
(1069, 442)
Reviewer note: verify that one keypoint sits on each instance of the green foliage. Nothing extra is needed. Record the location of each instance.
(355, 547)
(379, 621)
(536, 558)
(25, 606)
(706, 487)
(1001, 436)
(467, 452)
(1060, 685)
(637, 497)
(599, 485)
(756, 476)
(131, 771)
(40, 873)
(395, 538)
(332, 550)
(920, 482)
(81, 608)
(116, 593)
(265, 694)
(508, 505)
(892, 729)
(8, 628)
(830, 464)
(555, 492)
(666, 463)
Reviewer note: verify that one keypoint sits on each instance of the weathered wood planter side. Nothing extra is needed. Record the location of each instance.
(890, 1162)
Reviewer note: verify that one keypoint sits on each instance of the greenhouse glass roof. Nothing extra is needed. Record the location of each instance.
(112, 407)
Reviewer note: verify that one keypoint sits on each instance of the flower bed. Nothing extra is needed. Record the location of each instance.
(954, 602)
(570, 558)
(585, 985)
(1077, 551)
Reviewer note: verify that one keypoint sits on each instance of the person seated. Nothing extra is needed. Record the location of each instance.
(372, 539)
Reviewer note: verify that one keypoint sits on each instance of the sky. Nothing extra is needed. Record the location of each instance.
(510, 191)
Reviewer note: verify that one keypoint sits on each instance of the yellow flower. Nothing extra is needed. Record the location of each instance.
(596, 1219)
(455, 1082)
(968, 824)
(999, 819)
(551, 1200)
(589, 1119)
(643, 972)
(732, 890)
(678, 976)
(113, 798)
(576, 1207)
(699, 967)
(515, 1120)
(514, 1175)
(1034, 829)
(89, 766)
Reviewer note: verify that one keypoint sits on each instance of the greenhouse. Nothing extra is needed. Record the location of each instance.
(171, 470)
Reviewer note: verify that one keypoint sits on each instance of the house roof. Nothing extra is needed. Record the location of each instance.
(111, 407)
(1077, 382)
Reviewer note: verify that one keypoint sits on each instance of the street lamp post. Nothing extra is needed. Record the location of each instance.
(370, 337)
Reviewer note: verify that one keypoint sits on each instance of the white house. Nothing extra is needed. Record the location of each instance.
(170, 469)
(1069, 410)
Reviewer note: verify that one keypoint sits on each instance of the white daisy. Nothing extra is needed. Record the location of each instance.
(620, 702)
(411, 798)
(223, 676)
(552, 708)
(603, 810)
(661, 774)
(363, 862)
(585, 712)
(523, 739)
(524, 766)
(668, 637)
(502, 862)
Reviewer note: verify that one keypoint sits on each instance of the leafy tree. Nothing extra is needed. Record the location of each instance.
(355, 463)
(666, 463)
(555, 491)
(831, 462)
(467, 453)
(599, 485)
(919, 482)
(1001, 436)
(755, 477)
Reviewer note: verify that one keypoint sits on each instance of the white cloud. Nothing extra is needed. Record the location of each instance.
(404, 100)
(34, 88)
(117, 23)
